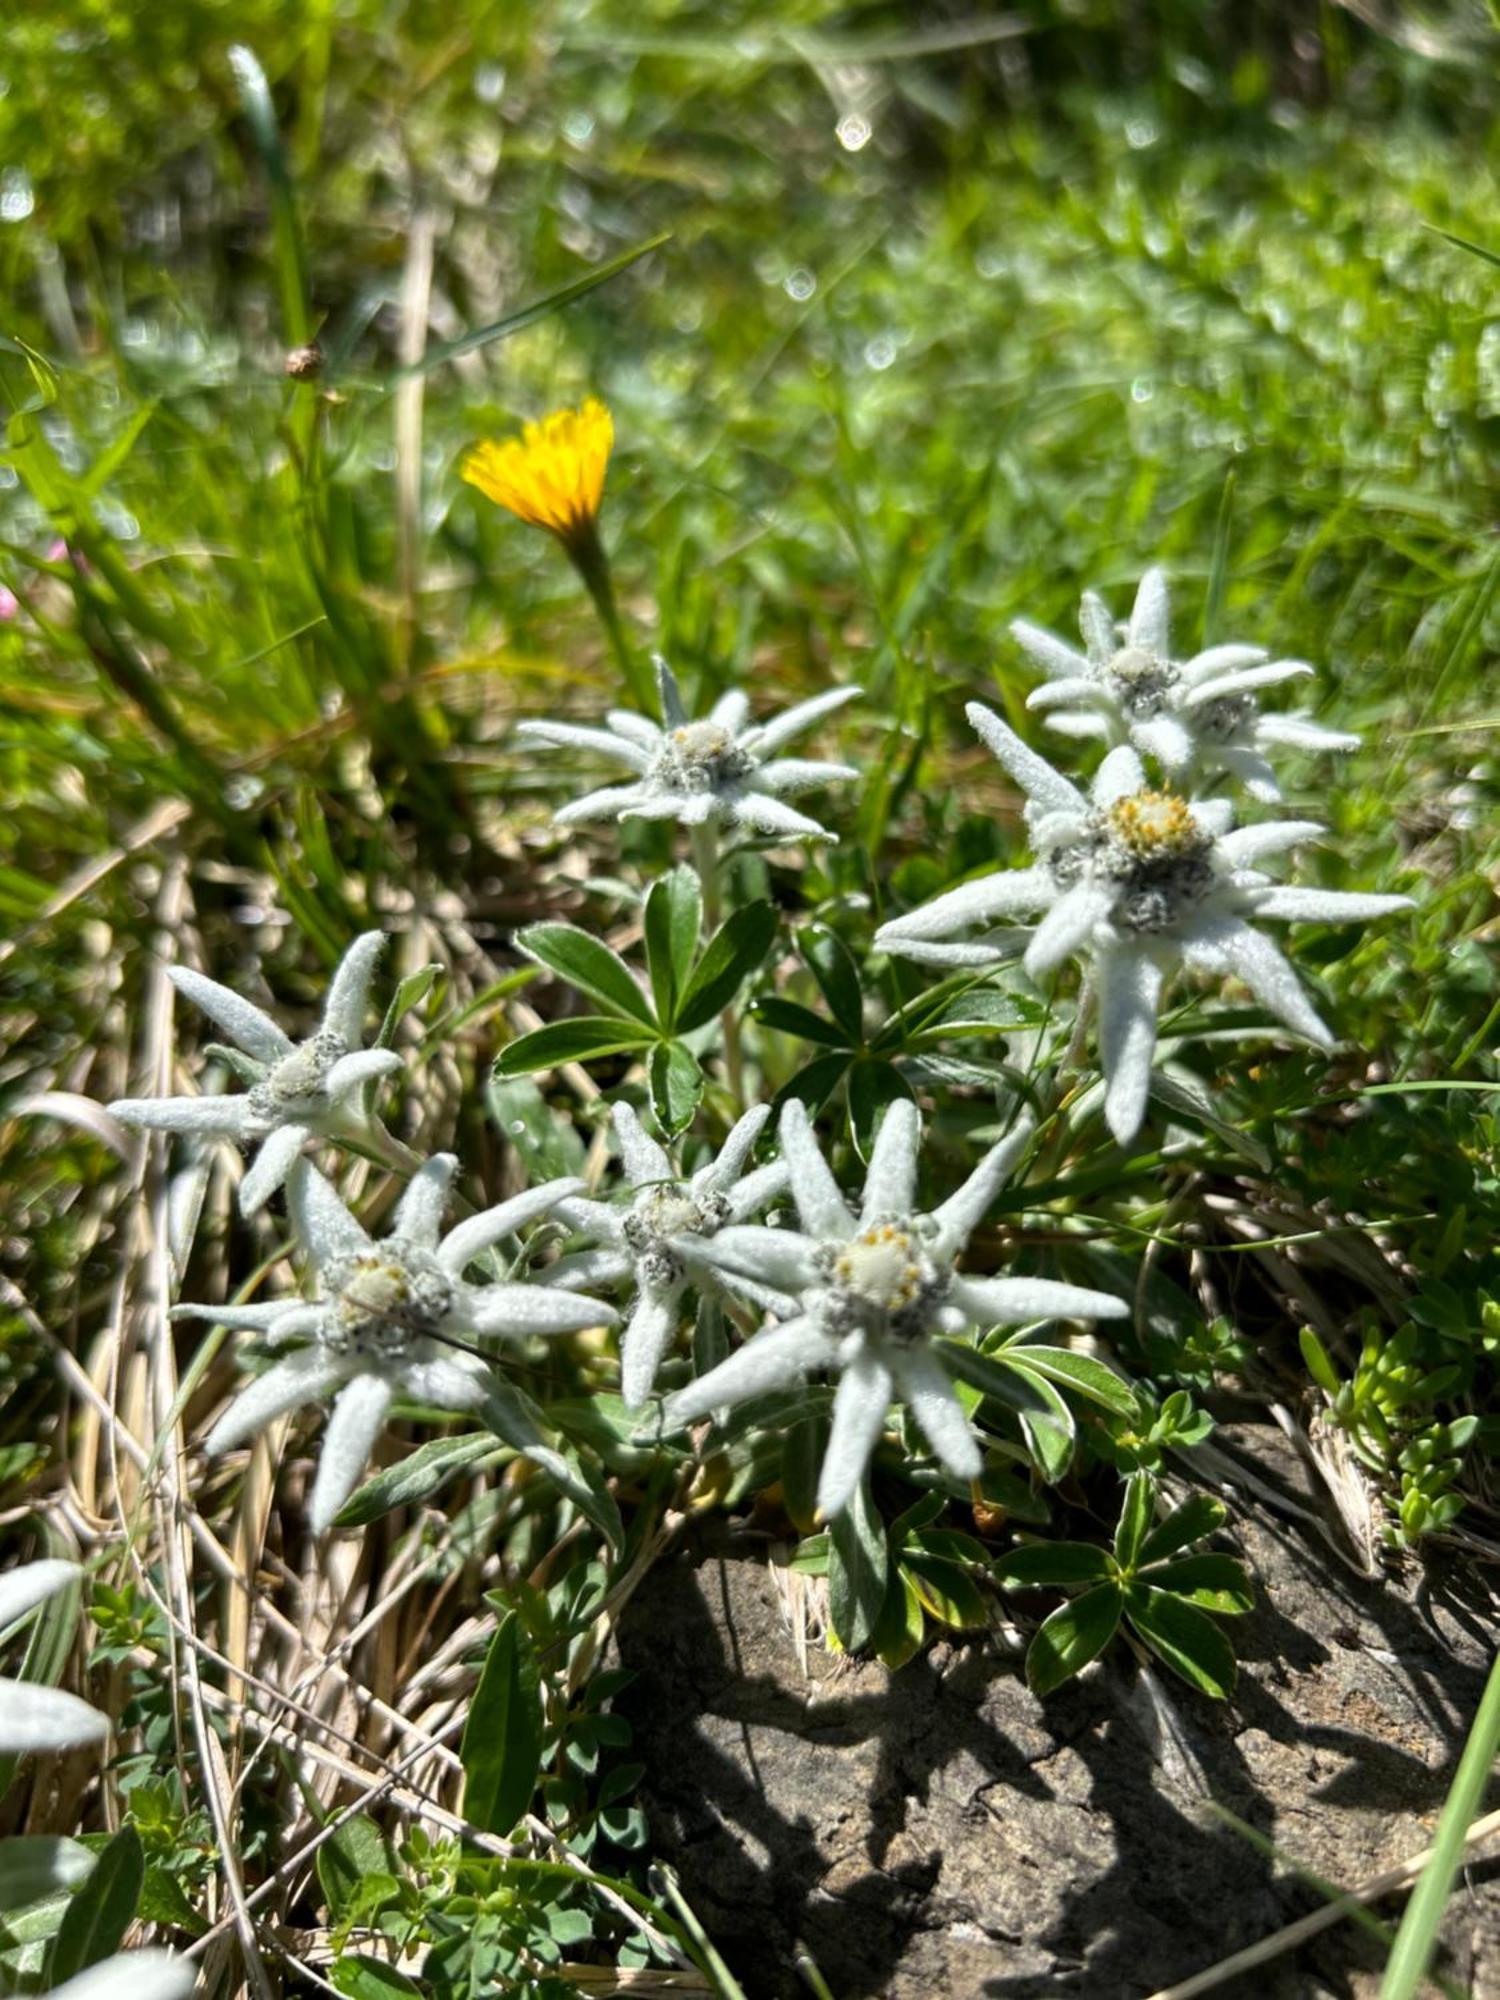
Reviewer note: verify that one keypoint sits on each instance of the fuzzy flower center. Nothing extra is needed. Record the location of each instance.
(1142, 680)
(1153, 825)
(658, 1214)
(882, 1282)
(701, 757)
(296, 1086)
(1153, 851)
(384, 1300)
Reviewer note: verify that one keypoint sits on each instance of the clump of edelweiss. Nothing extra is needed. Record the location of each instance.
(1144, 881)
(656, 1238)
(390, 1318)
(298, 1090)
(869, 1293)
(1198, 714)
(695, 772)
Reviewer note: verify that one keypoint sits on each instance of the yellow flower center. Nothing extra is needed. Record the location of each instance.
(1155, 823)
(701, 742)
(552, 474)
(880, 1268)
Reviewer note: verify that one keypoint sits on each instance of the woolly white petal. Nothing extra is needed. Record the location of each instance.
(891, 1180)
(304, 1377)
(611, 803)
(1065, 693)
(43, 1718)
(721, 1173)
(756, 1189)
(1247, 845)
(214, 1117)
(1018, 1301)
(452, 1381)
(1244, 682)
(1068, 924)
(1164, 738)
(517, 1310)
(570, 736)
(1252, 770)
(149, 1974)
(1033, 774)
(357, 1421)
(464, 1243)
(586, 1268)
(1326, 906)
(353, 1072)
(1296, 732)
(349, 989)
(1049, 652)
(324, 1224)
(783, 1257)
(1257, 961)
(1011, 891)
(638, 729)
(419, 1213)
(1082, 722)
(772, 1360)
(800, 774)
(281, 1146)
(730, 711)
(645, 1162)
(1214, 816)
(961, 1214)
(243, 1319)
(1149, 615)
(929, 1395)
(673, 714)
(779, 729)
(600, 1221)
(1098, 628)
(762, 814)
(244, 1023)
(859, 1413)
(1117, 777)
(815, 1191)
(690, 808)
(646, 1339)
(1218, 660)
(1129, 985)
(23, 1589)
(922, 952)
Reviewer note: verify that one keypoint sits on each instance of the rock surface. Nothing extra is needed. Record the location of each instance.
(940, 1832)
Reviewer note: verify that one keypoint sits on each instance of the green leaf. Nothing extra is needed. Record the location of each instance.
(590, 966)
(1136, 1514)
(33, 1865)
(165, 1901)
(676, 1086)
(898, 1630)
(857, 1567)
(501, 1750)
(1046, 1420)
(735, 950)
(801, 1455)
(788, 1017)
(412, 991)
(1052, 1565)
(349, 1855)
(873, 1088)
(1315, 1357)
(548, 1144)
(1212, 1582)
(370, 1979)
(674, 916)
(814, 1084)
(947, 1591)
(417, 1477)
(1186, 1639)
(102, 1910)
(1198, 1516)
(833, 965)
(584, 1038)
(1075, 1634)
(1083, 1374)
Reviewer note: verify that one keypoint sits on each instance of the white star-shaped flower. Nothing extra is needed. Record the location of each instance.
(656, 1238)
(870, 1292)
(1197, 714)
(694, 772)
(298, 1091)
(1145, 881)
(41, 1718)
(387, 1318)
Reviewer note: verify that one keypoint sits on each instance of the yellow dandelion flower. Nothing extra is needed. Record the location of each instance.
(552, 474)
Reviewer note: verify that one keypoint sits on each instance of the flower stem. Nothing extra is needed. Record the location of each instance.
(587, 554)
(706, 861)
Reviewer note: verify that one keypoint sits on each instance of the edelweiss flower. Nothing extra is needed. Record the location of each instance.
(656, 1237)
(698, 771)
(553, 474)
(870, 1293)
(298, 1091)
(1147, 881)
(388, 1318)
(41, 1718)
(1197, 713)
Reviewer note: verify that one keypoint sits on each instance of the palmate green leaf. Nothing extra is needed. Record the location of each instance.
(102, 1910)
(899, 1629)
(589, 965)
(1184, 1638)
(501, 1750)
(1198, 1516)
(1082, 1373)
(1053, 1566)
(1136, 1510)
(789, 1017)
(676, 1084)
(946, 1590)
(873, 1088)
(833, 965)
(361, 1978)
(814, 1084)
(584, 1038)
(347, 1858)
(857, 1570)
(1075, 1633)
(548, 1143)
(1046, 1421)
(1212, 1582)
(735, 950)
(417, 1477)
(674, 917)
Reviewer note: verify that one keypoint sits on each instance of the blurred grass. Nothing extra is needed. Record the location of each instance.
(952, 320)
